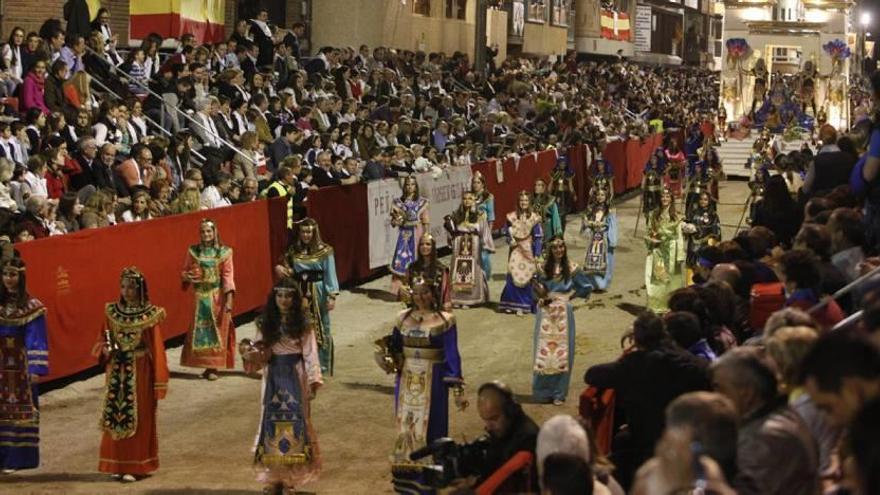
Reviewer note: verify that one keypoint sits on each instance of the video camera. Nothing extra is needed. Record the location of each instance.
(451, 460)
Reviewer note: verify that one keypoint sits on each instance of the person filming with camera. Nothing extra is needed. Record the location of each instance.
(510, 433)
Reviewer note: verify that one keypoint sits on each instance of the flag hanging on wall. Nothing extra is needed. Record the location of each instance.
(172, 18)
(615, 25)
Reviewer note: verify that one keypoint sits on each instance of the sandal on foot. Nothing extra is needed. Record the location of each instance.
(210, 375)
(128, 478)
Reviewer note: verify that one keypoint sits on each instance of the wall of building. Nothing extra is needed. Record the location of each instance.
(30, 15)
(393, 24)
(544, 39)
(588, 30)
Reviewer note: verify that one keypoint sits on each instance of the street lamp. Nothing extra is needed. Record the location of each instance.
(865, 19)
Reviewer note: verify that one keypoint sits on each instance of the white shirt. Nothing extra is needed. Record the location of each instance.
(211, 198)
(14, 68)
(37, 184)
(210, 130)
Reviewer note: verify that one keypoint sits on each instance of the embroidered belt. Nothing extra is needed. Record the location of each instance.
(431, 354)
(311, 275)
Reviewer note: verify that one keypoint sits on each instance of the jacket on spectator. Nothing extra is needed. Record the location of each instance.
(278, 151)
(33, 93)
(776, 454)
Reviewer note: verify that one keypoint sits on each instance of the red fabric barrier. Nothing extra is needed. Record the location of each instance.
(341, 213)
(577, 159)
(76, 274)
(615, 154)
(517, 177)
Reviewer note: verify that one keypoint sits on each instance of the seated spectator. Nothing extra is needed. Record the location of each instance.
(830, 167)
(160, 198)
(708, 420)
(787, 347)
(847, 237)
(33, 89)
(140, 207)
(56, 180)
(323, 174)
(35, 177)
(137, 170)
(567, 474)
(34, 218)
(864, 442)
(800, 275)
(284, 146)
(377, 167)
(642, 399)
(816, 239)
(775, 450)
(562, 434)
(215, 194)
(684, 328)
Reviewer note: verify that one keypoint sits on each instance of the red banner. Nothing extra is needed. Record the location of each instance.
(76, 274)
(341, 213)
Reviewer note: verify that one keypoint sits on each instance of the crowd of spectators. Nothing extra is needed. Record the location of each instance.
(103, 134)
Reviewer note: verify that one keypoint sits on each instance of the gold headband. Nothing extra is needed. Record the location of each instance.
(557, 242)
(18, 269)
(132, 272)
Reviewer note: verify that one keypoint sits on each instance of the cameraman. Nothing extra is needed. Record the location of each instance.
(510, 431)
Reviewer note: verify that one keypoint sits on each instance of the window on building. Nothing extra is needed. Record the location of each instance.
(456, 9)
(517, 16)
(422, 7)
(559, 13)
(537, 11)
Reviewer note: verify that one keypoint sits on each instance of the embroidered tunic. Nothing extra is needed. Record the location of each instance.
(431, 365)
(486, 205)
(24, 352)
(525, 235)
(413, 214)
(469, 241)
(137, 377)
(545, 206)
(708, 229)
(600, 229)
(554, 334)
(286, 448)
(211, 341)
(317, 275)
(663, 267)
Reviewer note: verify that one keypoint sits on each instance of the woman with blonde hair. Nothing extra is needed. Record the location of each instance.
(245, 168)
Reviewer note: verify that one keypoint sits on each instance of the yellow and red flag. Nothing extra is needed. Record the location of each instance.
(172, 18)
(615, 25)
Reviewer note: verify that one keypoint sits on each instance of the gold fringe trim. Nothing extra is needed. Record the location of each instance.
(149, 317)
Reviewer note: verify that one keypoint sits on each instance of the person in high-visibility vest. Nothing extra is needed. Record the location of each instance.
(285, 185)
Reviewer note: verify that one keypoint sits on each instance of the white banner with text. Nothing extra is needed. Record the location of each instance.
(443, 193)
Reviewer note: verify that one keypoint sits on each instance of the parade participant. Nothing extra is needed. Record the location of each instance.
(666, 252)
(210, 344)
(698, 180)
(25, 359)
(524, 233)
(422, 351)
(652, 181)
(602, 177)
(469, 236)
(600, 229)
(486, 204)
(409, 214)
(544, 204)
(558, 281)
(562, 188)
(675, 168)
(310, 261)
(137, 377)
(286, 454)
(702, 228)
(429, 267)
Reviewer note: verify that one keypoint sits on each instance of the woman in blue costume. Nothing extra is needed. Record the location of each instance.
(310, 261)
(286, 450)
(544, 204)
(557, 282)
(524, 233)
(485, 204)
(422, 351)
(600, 229)
(562, 187)
(409, 214)
(25, 357)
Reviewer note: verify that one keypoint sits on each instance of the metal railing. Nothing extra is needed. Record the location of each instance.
(149, 119)
(842, 292)
(180, 112)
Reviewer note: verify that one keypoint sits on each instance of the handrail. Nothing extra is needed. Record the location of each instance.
(181, 112)
(146, 117)
(844, 290)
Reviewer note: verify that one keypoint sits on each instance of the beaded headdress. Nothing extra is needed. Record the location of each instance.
(134, 274)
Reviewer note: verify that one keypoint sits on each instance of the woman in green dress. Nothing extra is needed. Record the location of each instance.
(544, 204)
(666, 253)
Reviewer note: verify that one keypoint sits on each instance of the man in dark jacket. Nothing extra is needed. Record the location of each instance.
(830, 168)
(76, 13)
(646, 380)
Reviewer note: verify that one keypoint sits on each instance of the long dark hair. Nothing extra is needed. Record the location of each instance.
(658, 211)
(776, 195)
(431, 265)
(416, 195)
(270, 322)
(460, 215)
(22, 296)
(550, 263)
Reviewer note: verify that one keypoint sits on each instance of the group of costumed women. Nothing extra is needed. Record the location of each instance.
(293, 350)
(674, 239)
